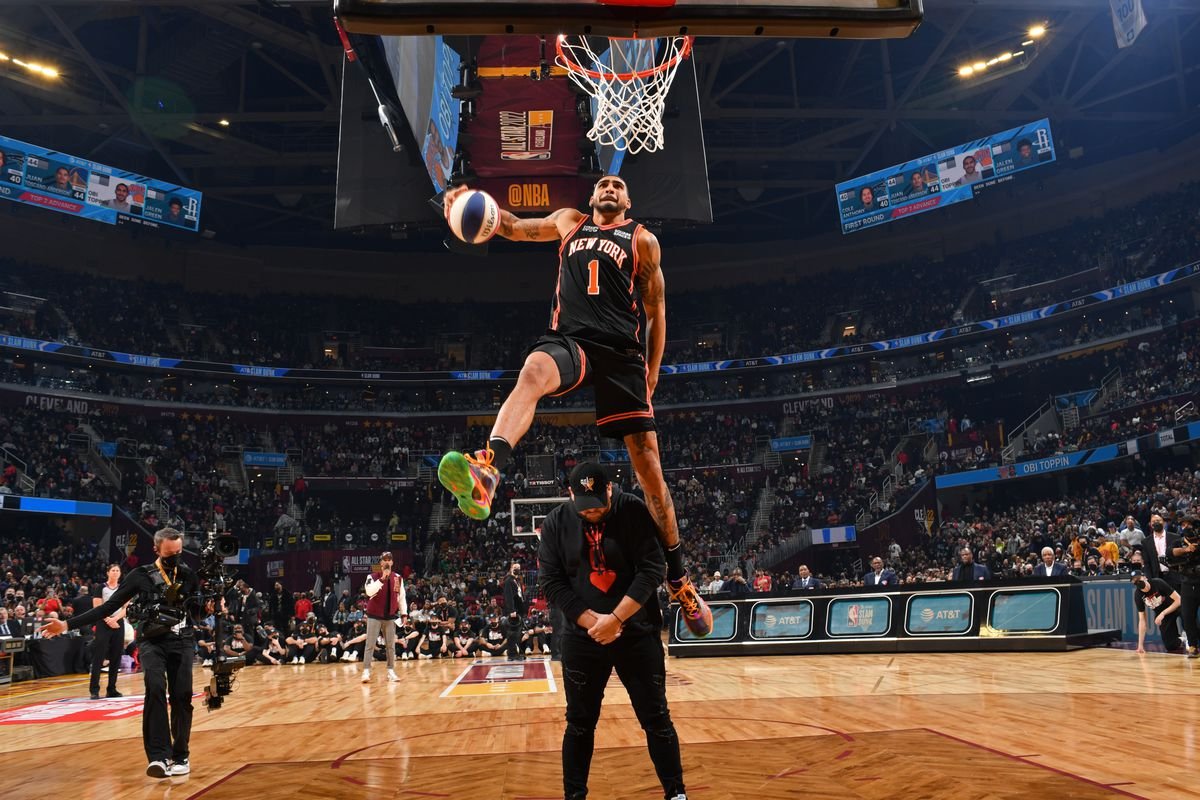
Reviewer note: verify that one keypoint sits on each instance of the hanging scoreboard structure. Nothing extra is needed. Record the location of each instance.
(943, 178)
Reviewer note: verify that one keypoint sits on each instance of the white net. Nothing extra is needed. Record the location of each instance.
(628, 80)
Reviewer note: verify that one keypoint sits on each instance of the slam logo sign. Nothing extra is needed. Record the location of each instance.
(781, 620)
(859, 617)
(939, 614)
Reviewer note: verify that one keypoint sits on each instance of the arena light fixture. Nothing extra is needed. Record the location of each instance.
(979, 66)
(1026, 43)
(1037, 31)
(224, 123)
(966, 71)
(36, 68)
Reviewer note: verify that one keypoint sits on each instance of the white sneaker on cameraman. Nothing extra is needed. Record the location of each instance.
(366, 676)
(180, 768)
(392, 676)
(206, 662)
(158, 769)
(545, 648)
(302, 661)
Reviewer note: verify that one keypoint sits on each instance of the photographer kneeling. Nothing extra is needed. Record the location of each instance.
(166, 647)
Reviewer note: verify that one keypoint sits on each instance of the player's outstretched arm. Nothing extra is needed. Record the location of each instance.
(652, 289)
(546, 229)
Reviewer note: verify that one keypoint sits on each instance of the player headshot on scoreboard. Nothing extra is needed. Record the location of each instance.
(916, 184)
(866, 196)
(120, 199)
(971, 174)
(1024, 157)
(62, 180)
(10, 167)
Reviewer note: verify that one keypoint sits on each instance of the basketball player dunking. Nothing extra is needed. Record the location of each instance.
(610, 282)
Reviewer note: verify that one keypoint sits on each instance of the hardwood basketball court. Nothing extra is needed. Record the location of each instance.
(1101, 723)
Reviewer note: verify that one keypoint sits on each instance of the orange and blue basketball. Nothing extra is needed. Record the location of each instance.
(474, 217)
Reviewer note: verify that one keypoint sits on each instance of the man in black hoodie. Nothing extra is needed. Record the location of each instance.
(601, 564)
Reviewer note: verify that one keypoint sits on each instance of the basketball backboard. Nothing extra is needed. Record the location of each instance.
(846, 19)
(527, 513)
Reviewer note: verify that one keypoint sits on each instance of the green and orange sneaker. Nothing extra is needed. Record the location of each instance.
(472, 480)
(696, 613)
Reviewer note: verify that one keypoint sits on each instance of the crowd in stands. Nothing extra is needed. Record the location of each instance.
(359, 333)
(882, 370)
(41, 459)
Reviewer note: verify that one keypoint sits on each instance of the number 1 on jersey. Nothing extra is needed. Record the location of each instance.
(593, 277)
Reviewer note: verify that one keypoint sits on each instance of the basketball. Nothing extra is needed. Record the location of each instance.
(474, 217)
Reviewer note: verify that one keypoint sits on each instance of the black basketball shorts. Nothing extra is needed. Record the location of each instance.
(618, 377)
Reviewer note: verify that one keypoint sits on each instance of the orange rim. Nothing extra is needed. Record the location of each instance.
(570, 63)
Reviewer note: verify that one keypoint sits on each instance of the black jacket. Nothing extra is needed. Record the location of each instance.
(1150, 555)
(977, 572)
(139, 583)
(631, 550)
(514, 598)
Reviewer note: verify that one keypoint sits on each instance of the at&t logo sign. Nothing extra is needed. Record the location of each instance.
(929, 615)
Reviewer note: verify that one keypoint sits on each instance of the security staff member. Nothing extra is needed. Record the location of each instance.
(601, 564)
(166, 652)
(516, 606)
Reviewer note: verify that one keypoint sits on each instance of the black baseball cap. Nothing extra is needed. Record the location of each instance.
(589, 485)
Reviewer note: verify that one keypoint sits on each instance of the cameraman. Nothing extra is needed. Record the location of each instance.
(166, 650)
(1184, 554)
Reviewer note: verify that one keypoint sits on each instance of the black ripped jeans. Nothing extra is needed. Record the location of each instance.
(642, 669)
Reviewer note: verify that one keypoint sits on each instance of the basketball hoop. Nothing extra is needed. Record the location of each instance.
(629, 82)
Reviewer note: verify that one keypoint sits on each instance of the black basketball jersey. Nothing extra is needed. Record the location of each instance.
(597, 298)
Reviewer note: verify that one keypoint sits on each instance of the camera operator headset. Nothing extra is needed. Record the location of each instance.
(165, 642)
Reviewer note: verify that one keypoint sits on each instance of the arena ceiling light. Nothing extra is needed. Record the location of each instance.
(30, 66)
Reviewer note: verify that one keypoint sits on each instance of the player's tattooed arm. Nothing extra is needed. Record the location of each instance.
(544, 229)
(652, 288)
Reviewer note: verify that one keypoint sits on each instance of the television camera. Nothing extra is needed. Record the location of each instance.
(216, 578)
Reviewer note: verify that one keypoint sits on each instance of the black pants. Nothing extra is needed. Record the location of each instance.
(514, 649)
(1189, 595)
(167, 665)
(306, 651)
(640, 665)
(558, 622)
(1169, 629)
(108, 644)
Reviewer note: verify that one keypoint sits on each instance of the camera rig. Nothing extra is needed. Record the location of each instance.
(216, 578)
